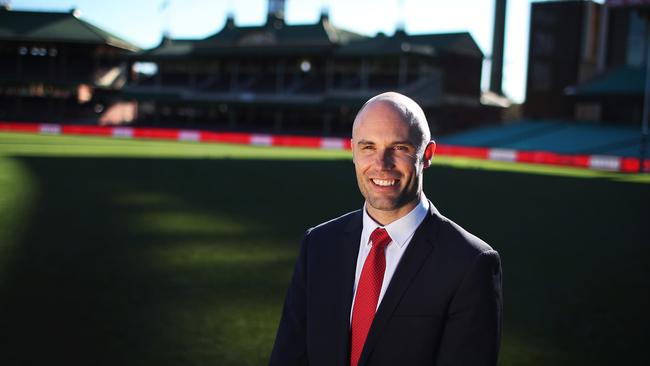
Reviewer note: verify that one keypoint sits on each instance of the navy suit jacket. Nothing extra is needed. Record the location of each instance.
(443, 305)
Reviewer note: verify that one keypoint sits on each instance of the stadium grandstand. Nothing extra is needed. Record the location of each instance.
(304, 79)
(54, 66)
(562, 137)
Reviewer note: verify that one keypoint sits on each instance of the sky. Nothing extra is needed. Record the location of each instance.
(143, 22)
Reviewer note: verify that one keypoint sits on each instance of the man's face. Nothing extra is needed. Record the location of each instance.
(386, 161)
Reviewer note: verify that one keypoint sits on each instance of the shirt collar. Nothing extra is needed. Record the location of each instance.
(401, 229)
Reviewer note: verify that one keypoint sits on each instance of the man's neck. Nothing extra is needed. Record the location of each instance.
(384, 218)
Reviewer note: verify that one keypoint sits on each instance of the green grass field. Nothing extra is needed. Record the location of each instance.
(125, 252)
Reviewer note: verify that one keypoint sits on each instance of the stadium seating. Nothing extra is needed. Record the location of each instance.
(555, 136)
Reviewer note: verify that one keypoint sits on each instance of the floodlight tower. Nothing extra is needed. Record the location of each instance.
(401, 17)
(164, 10)
(276, 8)
(496, 67)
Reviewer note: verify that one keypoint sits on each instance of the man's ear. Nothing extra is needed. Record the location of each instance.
(428, 153)
(352, 148)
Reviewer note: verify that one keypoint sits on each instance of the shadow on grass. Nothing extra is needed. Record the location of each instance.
(176, 261)
(167, 262)
(575, 260)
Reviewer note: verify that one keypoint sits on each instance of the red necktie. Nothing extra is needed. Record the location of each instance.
(365, 303)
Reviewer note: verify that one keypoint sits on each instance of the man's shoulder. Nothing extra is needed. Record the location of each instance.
(336, 225)
(458, 239)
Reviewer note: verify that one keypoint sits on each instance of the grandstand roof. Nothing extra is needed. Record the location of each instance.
(274, 37)
(622, 81)
(555, 136)
(55, 27)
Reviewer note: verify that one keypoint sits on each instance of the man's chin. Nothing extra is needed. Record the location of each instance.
(384, 204)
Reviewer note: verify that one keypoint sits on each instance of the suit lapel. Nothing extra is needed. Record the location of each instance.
(348, 251)
(416, 254)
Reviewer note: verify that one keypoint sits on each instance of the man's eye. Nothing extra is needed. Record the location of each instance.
(368, 147)
(400, 147)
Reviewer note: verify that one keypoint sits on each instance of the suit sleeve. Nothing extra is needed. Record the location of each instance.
(290, 346)
(472, 332)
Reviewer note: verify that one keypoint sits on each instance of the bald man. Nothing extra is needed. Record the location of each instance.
(394, 283)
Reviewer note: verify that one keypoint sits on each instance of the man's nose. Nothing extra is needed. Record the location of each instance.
(385, 159)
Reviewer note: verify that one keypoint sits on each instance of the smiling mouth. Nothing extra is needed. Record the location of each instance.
(384, 182)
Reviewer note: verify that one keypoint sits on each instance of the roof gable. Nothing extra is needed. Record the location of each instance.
(276, 32)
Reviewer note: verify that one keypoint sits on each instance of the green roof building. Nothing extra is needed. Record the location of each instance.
(55, 66)
(304, 78)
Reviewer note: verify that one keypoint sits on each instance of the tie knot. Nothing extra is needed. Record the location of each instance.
(380, 238)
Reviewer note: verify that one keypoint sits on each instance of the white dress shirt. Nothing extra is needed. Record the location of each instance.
(401, 231)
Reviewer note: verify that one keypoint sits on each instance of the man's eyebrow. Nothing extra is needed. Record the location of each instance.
(409, 143)
(365, 142)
